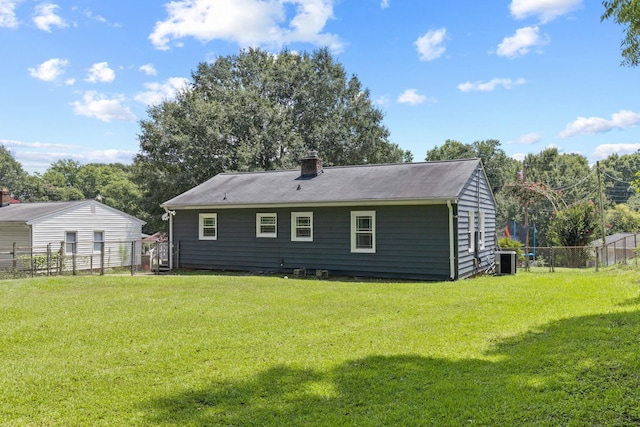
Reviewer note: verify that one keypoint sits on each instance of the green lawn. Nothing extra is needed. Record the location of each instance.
(531, 349)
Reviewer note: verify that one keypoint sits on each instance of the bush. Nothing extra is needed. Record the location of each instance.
(506, 243)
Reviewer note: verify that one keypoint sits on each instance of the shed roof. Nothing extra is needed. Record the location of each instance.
(28, 212)
(426, 181)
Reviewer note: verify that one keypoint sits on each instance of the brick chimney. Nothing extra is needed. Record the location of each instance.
(311, 165)
(6, 198)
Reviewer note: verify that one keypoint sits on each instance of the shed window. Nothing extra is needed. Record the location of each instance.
(71, 242)
(363, 231)
(267, 225)
(98, 240)
(302, 226)
(208, 226)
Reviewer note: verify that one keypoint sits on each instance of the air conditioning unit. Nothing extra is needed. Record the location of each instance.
(505, 263)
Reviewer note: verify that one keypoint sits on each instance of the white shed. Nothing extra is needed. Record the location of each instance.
(78, 229)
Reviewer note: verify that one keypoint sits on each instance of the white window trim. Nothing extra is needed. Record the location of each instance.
(201, 219)
(354, 216)
(294, 217)
(472, 231)
(66, 242)
(259, 233)
(97, 241)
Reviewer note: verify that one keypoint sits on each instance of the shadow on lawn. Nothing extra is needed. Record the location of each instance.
(580, 371)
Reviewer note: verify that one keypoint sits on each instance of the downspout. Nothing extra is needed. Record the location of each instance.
(170, 215)
(452, 252)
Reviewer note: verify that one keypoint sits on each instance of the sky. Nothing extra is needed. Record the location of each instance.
(76, 77)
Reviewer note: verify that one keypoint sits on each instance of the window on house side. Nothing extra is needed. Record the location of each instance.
(71, 242)
(472, 231)
(208, 226)
(302, 226)
(267, 225)
(98, 239)
(363, 231)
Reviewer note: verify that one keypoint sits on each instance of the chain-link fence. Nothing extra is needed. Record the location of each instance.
(549, 258)
(73, 258)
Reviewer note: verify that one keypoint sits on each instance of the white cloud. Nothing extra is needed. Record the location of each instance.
(100, 72)
(107, 156)
(8, 18)
(49, 70)
(411, 96)
(529, 138)
(384, 4)
(521, 42)
(247, 22)
(519, 156)
(148, 69)
(37, 144)
(159, 92)
(546, 10)
(98, 106)
(605, 150)
(45, 17)
(431, 45)
(591, 125)
(490, 85)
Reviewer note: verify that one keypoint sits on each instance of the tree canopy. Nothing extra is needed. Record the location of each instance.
(499, 167)
(626, 13)
(259, 111)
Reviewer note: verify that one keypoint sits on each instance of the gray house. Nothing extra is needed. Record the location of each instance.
(426, 221)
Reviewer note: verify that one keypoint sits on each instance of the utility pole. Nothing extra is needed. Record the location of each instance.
(605, 253)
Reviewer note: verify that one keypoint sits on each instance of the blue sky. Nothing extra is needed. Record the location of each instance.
(77, 76)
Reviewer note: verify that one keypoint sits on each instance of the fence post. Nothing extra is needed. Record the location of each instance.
(61, 258)
(158, 257)
(15, 257)
(48, 259)
(32, 266)
(178, 254)
(74, 249)
(133, 256)
(102, 257)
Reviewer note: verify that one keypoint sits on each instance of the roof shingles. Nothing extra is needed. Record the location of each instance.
(392, 182)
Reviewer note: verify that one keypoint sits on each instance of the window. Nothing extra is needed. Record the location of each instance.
(266, 225)
(302, 226)
(98, 239)
(71, 242)
(363, 231)
(472, 231)
(208, 226)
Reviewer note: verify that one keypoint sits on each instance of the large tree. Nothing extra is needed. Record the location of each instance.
(12, 176)
(626, 13)
(258, 111)
(500, 168)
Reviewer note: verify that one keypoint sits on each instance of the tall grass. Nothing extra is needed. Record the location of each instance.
(532, 349)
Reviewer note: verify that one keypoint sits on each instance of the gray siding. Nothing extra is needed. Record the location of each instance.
(411, 242)
(476, 196)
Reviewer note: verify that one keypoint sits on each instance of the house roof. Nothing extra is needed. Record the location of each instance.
(30, 212)
(629, 240)
(409, 182)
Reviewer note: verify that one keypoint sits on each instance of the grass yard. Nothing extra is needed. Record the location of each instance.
(532, 349)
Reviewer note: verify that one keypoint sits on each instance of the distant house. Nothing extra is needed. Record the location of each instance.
(76, 228)
(427, 221)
